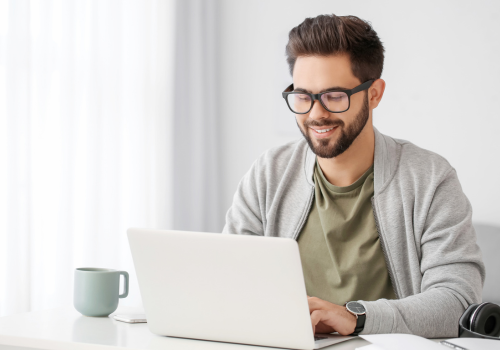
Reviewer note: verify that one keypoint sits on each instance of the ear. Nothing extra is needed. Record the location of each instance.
(375, 93)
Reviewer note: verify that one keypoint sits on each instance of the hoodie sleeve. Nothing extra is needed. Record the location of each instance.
(245, 216)
(451, 268)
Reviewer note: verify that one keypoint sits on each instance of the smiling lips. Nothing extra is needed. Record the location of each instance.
(325, 132)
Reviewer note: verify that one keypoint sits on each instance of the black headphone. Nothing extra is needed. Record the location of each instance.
(480, 321)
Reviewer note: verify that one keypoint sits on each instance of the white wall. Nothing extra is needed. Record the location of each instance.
(442, 72)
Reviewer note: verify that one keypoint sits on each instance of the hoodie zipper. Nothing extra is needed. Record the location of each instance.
(382, 245)
(304, 216)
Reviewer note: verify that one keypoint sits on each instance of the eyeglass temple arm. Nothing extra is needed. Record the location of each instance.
(288, 89)
(362, 87)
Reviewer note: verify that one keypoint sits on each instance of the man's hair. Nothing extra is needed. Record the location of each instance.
(328, 35)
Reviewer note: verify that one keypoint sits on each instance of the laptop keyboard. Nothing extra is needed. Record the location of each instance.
(316, 338)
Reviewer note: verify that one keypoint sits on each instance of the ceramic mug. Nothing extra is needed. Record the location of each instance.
(96, 290)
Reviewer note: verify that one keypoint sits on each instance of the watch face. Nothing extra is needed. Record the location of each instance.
(355, 307)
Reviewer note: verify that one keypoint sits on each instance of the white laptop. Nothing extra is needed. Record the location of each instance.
(228, 288)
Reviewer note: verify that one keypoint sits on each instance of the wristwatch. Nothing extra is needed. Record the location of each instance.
(358, 310)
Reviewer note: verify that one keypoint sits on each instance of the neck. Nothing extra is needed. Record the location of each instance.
(348, 167)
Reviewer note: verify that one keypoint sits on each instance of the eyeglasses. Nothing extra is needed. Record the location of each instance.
(337, 101)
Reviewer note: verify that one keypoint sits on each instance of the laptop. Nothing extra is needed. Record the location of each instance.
(227, 288)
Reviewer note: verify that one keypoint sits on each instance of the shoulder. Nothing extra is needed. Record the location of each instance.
(280, 157)
(416, 161)
(281, 163)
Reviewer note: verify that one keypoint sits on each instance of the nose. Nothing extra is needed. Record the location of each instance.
(318, 111)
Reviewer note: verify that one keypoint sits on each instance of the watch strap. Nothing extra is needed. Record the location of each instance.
(360, 324)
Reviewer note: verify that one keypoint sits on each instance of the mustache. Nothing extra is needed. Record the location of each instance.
(313, 122)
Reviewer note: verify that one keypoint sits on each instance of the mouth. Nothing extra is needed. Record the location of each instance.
(322, 132)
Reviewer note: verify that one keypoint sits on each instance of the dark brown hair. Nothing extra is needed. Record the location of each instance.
(327, 35)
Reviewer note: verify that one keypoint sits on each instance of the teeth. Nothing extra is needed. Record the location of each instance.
(323, 131)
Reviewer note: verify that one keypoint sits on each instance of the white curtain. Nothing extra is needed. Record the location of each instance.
(85, 130)
(197, 190)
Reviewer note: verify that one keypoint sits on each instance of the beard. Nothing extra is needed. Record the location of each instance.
(347, 134)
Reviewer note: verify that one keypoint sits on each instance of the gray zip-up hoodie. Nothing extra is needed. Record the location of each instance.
(423, 220)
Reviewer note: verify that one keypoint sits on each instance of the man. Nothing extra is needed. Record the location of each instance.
(377, 220)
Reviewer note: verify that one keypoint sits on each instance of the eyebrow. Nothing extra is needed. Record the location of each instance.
(324, 90)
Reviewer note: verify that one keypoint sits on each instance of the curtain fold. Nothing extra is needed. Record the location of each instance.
(197, 176)
(86, 130)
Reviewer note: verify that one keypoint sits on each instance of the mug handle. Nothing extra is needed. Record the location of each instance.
(125, 289)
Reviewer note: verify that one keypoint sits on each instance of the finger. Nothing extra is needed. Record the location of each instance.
(321, 316)
(315, 319)
(316, 304)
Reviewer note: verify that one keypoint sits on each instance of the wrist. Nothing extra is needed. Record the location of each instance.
(359, 312)
(351, 321)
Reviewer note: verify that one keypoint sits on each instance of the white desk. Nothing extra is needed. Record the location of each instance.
(66, 329)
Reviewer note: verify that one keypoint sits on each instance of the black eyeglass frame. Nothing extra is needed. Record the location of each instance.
(314, 97)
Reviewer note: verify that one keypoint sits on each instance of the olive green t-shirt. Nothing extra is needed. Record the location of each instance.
(339, 245)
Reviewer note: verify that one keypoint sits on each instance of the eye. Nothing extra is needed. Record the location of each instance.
(302, 98)
(334, 98)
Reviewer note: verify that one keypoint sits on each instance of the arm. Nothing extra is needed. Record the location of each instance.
(245, 215)
(451, 266)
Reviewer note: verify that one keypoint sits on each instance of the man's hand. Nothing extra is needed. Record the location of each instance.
(327, 317)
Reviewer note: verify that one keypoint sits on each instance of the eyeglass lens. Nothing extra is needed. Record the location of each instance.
(334, 101)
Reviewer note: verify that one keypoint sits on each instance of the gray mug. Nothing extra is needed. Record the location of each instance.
(96, 290)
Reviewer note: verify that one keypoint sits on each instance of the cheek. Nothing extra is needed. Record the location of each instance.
(300, 118)
(346, 118)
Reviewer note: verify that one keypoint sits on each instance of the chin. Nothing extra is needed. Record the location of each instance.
(323, 151)
(324, 143)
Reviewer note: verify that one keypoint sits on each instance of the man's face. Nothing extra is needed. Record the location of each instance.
(315, 74)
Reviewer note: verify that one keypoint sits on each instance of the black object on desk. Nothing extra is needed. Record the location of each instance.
(480, 321)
